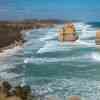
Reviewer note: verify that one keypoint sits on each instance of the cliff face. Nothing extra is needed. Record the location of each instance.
(10, 32)
(68, 33)
(98, 38)
(9, 35)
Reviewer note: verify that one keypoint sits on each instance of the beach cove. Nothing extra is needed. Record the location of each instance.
(36, 63)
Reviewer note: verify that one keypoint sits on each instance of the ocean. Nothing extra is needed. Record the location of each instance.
(54, 68)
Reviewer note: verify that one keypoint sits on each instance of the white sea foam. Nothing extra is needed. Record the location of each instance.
(82, 58)
(4, 67)
(71, 86)
(88, 43)
(85, 30)
(5, 56)
(10, 52)
(49, 36)
(81, 26)
(85, 34)
(53, 46)
(6, 75)
(96, 56)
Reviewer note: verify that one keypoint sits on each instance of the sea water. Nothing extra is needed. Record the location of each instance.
(55, 68)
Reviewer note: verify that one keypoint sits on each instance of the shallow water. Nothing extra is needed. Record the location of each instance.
(55, 68)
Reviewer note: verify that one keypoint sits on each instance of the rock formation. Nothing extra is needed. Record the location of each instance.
(52, 98)
(68, 33)
(74, 98)
(98, 38)
(11, 31)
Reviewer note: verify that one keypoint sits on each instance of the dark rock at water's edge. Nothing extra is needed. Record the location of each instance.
(10, 31)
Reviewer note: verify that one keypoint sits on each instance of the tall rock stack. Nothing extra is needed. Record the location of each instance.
(68, 33)
(98, 38)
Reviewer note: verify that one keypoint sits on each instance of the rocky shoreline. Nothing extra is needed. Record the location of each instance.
(24, 92)
(10, 31)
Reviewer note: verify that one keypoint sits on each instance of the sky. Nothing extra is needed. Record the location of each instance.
(85, 10)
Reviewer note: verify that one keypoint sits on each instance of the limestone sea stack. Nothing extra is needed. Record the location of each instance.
(68, 33)
(98, 38)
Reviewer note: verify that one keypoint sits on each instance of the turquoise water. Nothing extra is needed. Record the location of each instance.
(55, 68)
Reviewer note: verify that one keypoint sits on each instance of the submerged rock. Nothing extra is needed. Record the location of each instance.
(98, 38)
(68, 33)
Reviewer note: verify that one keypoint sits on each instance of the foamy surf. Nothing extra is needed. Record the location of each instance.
(10, 52)
(71, 86)
(54, 46)
(49, 36)
(4, 67)
(45, 60)
(96, 56)
(8, 62)
(88, 43)
(8, 76)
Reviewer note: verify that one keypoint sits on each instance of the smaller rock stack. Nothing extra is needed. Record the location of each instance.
(68, 33)
(74, 98)
(98, 38)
